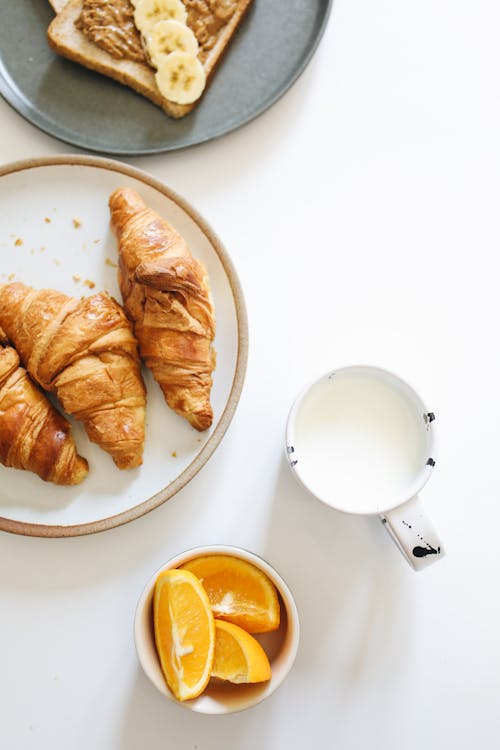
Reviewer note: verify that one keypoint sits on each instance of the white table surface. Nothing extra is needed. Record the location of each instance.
(362, 213)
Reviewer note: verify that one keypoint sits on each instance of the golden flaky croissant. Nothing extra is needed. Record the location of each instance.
(33, 435)
(166, 293)
(84, 351)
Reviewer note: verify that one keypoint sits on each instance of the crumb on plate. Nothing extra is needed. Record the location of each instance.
(18, 242)
(77, 223)
(89, 283)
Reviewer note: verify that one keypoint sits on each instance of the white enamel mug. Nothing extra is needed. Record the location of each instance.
(361, 440)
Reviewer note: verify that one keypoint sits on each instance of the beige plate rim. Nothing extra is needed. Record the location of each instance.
(46, 530)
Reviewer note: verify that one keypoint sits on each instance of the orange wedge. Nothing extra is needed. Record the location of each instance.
(238, 656)
(238, 592)
(184, 632)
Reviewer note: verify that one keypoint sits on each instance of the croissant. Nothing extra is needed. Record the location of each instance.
(33, 435)
(166, 294)
(83, 350)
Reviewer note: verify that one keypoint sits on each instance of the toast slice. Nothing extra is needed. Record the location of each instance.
(68, 40)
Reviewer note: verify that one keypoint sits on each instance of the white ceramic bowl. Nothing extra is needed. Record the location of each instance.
(280, 645)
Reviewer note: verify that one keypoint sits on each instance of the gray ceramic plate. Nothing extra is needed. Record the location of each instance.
(271, 48)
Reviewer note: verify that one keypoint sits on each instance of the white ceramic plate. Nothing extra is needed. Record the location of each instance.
(54, 232)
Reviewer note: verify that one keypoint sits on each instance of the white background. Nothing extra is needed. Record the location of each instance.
(362, 213)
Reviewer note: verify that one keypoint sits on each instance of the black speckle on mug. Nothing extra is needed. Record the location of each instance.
(424, 551)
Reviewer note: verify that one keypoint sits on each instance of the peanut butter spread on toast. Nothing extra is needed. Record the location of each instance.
(206, 18)
(110, 25)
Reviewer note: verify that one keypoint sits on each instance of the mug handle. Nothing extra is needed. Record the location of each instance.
(414, 534)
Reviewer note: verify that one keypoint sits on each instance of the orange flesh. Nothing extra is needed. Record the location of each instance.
(238, 592)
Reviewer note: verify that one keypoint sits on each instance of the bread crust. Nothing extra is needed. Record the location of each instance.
(70, 42)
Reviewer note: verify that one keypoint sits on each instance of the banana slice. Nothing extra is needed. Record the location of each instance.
(181, 77)
(169, 36)
(149, 12)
